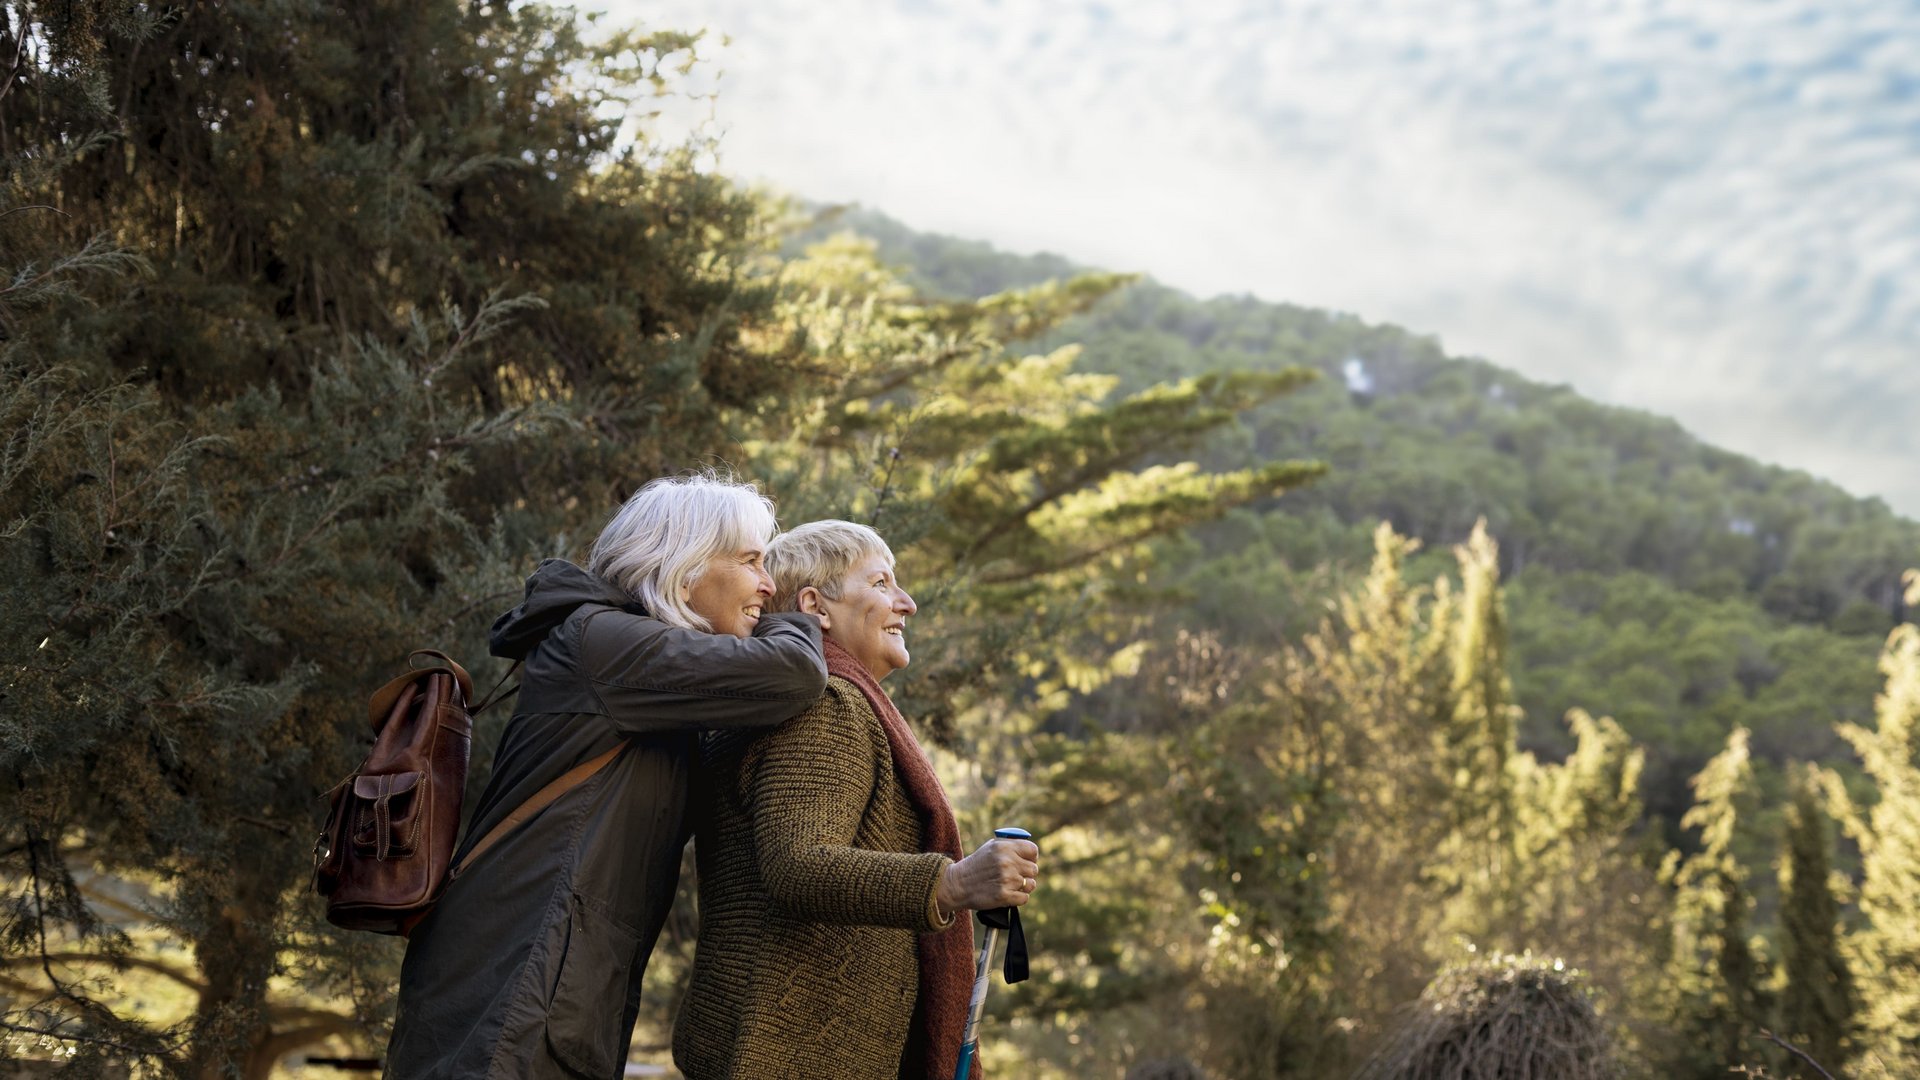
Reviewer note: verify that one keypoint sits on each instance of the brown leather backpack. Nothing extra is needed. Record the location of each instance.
(386, 851)
(384, 854)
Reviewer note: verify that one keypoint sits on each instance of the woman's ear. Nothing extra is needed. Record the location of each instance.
(811, 602)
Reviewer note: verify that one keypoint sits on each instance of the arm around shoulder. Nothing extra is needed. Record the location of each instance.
(656, 678)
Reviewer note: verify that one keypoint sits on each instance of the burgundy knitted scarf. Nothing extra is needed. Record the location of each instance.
(946, 957)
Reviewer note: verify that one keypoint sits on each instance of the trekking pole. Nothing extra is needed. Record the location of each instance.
(993, 921)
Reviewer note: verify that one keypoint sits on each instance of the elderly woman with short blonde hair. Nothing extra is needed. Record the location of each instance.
(832, 887)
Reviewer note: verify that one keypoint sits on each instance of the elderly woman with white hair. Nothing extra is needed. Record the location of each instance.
(530, 965)
(833, 940)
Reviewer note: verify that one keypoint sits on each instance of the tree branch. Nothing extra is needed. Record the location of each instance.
(1801, 1054)
(35, 206)
(91, 1040)
(116, 962)
(19, 55)
(100, 898)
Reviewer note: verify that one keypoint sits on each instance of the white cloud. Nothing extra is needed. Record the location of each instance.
(1703, 208)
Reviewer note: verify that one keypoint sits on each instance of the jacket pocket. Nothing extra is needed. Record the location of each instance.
(589, 999)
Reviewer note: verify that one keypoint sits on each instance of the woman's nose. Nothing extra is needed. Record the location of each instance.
(904, 603)
(764, 586)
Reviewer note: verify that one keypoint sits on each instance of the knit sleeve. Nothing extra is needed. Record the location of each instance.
(809, 783)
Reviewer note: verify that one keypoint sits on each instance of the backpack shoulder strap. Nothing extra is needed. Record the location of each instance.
(546, 796)
(541, 799)
(494, 696)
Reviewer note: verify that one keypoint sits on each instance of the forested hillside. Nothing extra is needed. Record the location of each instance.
(1683, 589)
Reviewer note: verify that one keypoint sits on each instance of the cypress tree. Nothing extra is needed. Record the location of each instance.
(1479, 748)
(1279, 793)
(1335, 817)
(1884, 953)
(1817, 1002)
(1713, 984)
(1585, 886)
(1387, 663)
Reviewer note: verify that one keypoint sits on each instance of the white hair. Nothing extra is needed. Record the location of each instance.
(662, 538)
(820, 554)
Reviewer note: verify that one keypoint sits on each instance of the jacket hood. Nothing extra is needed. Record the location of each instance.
(556, 589)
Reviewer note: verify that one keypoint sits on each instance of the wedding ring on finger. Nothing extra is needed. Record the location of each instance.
(1027, 885)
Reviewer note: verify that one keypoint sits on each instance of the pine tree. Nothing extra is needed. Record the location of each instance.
(1018, 493)
(1817, 1002)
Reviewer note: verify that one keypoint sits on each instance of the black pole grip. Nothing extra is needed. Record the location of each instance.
(1014, 969)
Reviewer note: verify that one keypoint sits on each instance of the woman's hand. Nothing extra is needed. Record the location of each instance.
(1000, 873)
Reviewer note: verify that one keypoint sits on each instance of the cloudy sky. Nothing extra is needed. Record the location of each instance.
(1705, 208)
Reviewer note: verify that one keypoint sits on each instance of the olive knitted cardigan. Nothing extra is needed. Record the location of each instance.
(814, 889)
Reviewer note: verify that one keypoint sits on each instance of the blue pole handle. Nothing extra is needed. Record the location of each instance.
(1009, 833)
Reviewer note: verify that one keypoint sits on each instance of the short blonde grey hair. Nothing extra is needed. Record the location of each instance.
(820, 554)
(662, 538)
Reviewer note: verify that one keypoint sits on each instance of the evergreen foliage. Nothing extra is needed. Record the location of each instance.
(1685, 627)
(1817, 1001)
(1478, 748)
(1884, 952)
(408, 315)
(1714, 984)
(1386, 661)
(1009, 486)
(1341, 848)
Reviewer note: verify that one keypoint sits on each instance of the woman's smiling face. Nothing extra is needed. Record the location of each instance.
(730, 591)
(869, 620)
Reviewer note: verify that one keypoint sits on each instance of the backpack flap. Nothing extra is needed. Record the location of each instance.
(380, 706)
(386, 814)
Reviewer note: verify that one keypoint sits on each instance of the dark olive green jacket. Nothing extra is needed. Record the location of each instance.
(530, 966)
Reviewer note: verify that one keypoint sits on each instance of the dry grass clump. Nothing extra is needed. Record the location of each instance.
(1505, 1017)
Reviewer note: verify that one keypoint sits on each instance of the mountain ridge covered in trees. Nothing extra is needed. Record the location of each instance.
(1692, 588)
(1373, 362)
